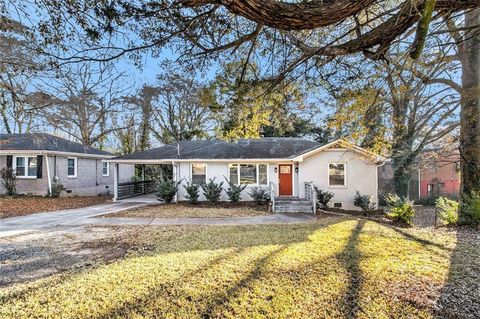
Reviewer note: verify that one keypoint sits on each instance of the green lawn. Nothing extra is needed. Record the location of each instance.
(336, 268)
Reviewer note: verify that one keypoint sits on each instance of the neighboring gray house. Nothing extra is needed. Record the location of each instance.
(39, 159)
(286, 167)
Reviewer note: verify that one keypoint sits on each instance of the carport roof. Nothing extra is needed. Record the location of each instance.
(262, 148)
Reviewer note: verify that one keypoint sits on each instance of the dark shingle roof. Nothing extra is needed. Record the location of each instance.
(264, 148)
(44, 142)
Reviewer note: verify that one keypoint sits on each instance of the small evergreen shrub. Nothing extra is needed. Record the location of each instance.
(393, 200)
(365, 202)
(323, 197)
(259, 195)
(193, 192)
(403, 213)
(212, 191)
(447, 210)
(234, 191)
(167, 189)
(57, 189)
(9, 181)
(470, 214)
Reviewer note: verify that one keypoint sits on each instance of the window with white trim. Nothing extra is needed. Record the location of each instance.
(199, 174)
(26, 166)
(105, 169)
(72, 167)
(248, 174)
(336, 174)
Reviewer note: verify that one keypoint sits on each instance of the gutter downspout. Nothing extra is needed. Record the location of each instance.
(376, 181)
(48, 176)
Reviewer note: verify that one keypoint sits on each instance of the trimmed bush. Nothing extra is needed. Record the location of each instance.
(323, 197)
(57, 189)
(393, 200)
(9, 181)
(167, 189)
(234, 191)
(193, 192)
(212, 190)
(403, 213)
(365, 202)
(447, 210)
(260, 196)
(470, 209)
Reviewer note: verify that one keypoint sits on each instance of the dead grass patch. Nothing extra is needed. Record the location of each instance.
(201, 210)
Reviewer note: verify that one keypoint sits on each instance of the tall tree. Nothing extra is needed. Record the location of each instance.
(467, 40)
(83, 101)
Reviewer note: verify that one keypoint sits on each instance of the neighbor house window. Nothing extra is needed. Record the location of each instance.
(248, 174)
(105, 170)
(336, 174)
(26, 166)
(72, 167)
(199, 174)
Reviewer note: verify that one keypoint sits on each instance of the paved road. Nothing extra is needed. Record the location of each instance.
(89, 216)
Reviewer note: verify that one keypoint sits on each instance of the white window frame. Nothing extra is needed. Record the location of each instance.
(25, 159)
(344, 175)
(206, 171)
(257, 173)
(75, 167)
(108, 169)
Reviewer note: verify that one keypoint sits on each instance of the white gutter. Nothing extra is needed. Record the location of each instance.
(202, 160)
(35, 152)
(48, 176)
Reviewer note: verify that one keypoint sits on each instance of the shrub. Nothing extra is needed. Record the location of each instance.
(427, 201)
(9, 181)
(167, 189)
(365, 202)
(323, 197)
(260, 196)
(234, 191)
(447, 210)
(193, 192)
(470, 209)
(393, 200)
(403, 212)
(212, 190)
(57, 189)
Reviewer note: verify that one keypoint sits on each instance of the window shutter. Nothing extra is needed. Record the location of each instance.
(39, 166)
(9, 161)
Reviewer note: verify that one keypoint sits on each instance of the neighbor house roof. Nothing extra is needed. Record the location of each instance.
(45, 143)
(263, 148)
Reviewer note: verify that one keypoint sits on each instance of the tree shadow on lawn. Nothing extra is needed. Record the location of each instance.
(461, 294)
(350, 258)
(214, 299)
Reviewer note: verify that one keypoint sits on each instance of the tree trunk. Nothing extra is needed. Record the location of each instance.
(470, 107)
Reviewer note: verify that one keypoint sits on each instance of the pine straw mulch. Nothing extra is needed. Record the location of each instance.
(25, 205)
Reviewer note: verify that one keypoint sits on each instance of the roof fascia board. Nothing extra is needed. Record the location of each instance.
(169, 161)
(345, 146)
(46, 152)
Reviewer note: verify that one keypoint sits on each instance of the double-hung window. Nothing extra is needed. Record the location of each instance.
(336, 174)
(26, 166)
(105, 169)
(248, 174)
(199, 174)
(72, 167)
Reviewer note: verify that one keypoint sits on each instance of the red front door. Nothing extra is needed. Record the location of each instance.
(285, 180)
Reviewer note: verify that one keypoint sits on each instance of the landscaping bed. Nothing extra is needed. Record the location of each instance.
(25, 205)
(332, 268)
(199, 210)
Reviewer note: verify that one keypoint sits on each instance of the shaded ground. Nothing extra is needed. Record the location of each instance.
(332, 268)
(20, 206)
(424, 216)
(196, 211)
